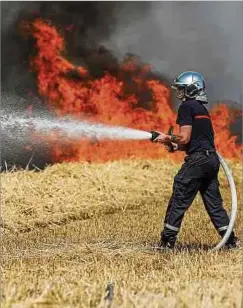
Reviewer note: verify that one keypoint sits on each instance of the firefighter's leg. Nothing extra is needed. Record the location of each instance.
(185, 189)
(213, 202)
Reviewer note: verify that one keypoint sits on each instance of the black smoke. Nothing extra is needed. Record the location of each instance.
(84, 26)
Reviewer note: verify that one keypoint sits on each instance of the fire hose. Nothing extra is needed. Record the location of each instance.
(234, 203)
(232, 189)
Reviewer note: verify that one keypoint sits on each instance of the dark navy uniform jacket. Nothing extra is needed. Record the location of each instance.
(194, 113)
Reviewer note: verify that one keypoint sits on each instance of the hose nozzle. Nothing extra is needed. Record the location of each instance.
(154, 135)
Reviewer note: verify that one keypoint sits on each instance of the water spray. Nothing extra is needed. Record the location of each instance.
(18, 125)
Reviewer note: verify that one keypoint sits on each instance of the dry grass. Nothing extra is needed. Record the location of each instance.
(72, 229)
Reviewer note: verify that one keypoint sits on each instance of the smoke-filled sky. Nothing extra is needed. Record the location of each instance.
(172, 36)
(177, 36)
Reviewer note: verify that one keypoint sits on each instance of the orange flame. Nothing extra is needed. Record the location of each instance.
(107, 100)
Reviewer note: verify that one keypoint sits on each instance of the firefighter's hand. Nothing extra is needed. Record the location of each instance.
(172, 145)
(162, 138)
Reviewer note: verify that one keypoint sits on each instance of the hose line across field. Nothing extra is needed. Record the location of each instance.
(234, 203)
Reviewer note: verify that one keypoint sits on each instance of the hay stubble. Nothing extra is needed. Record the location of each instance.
(70, 230)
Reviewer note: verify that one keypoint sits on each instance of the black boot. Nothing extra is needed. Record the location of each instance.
(167, 242)
(165, 245)
(232, 242)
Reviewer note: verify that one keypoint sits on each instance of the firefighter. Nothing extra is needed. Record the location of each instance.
(201, 166)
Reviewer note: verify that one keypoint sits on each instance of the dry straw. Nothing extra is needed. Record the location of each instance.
(72, 229)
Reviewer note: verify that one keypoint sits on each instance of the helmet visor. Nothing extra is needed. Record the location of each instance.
(179, 90)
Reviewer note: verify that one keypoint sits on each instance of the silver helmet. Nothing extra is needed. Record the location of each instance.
(190, 85)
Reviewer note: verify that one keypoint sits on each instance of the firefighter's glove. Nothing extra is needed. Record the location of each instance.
(171, 147)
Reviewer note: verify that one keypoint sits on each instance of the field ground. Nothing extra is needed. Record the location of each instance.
(72, 229)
